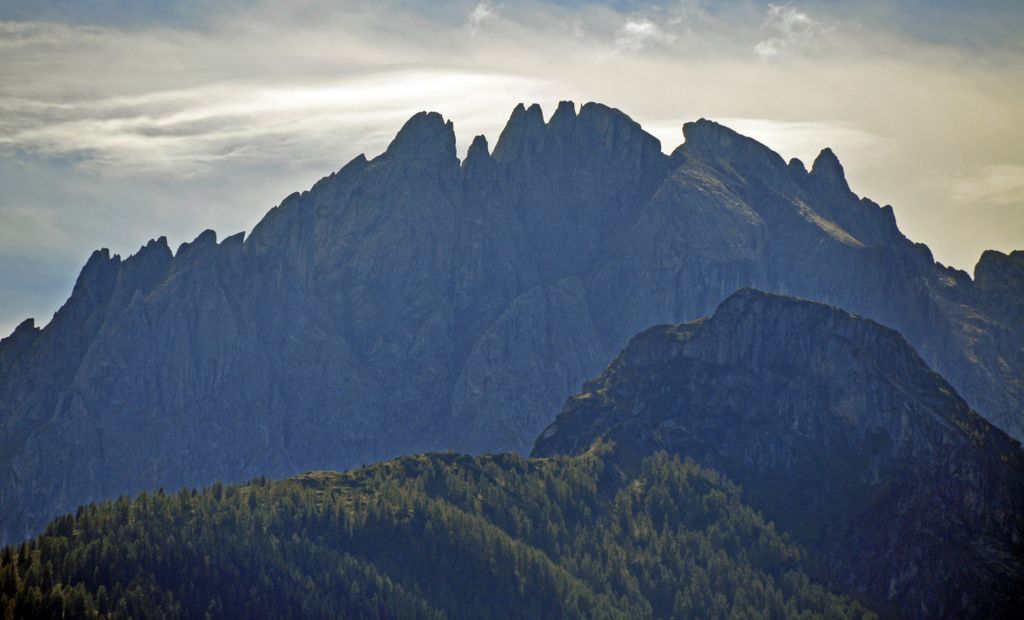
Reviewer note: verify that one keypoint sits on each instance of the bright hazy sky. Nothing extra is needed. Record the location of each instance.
(121, 121)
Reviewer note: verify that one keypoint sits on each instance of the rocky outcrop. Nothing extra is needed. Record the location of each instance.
(415, 302)
(840, 434)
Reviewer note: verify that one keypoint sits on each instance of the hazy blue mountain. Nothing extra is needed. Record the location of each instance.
(415, 302)
(841, 435)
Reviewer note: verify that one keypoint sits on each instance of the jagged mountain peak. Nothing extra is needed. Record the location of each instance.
(479, 146)
(522, 132)
(797, 168)
(98, 257)
(527, 134)
(565, 113)
(1000, 279)
(424, 135)
(995, 264)
(605, 121)
(828, 173)
(704, 131)
(13, 345)
(28, 324)
(142, 269)
(478, 150)
(205, 239)
(478, 159)
(25, 330)
(719, 144)
(97, 267)
(155, 245)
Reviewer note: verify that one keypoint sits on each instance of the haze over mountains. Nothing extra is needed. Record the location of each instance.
(414, 302)
(888, 495)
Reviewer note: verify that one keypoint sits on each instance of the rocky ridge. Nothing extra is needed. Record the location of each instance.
(415, 302)
(840, 434)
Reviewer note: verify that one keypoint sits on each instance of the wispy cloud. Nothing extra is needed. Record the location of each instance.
(788, 28)
(482, 13)
(201, 130)
(998, 184)
(639, 33)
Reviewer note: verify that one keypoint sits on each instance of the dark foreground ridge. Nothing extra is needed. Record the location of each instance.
(840, 434)
(887, 493)
(413, 302)
(435, 536)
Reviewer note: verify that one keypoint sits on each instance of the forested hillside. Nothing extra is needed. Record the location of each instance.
(434, 536)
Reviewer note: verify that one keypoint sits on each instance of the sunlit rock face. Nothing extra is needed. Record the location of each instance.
(414, 302)
(839, 433)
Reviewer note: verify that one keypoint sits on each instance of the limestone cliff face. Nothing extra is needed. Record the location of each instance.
(838, 432)
(415, 302)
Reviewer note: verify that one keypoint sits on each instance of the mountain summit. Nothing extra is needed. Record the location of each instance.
(413, 302)
(839, 433)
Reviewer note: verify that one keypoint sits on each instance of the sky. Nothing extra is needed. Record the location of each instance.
(124, 121)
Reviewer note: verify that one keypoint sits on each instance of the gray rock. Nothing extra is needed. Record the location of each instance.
(412, 302)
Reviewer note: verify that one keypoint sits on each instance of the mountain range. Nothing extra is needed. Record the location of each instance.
(869, 488)
(416, 302)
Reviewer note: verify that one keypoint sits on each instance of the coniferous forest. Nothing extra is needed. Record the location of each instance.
(431, 536)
